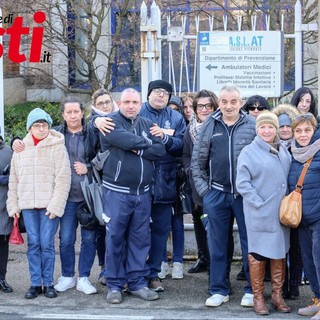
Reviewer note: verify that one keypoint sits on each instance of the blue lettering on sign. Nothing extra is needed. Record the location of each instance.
(204, 38)
(245, 41)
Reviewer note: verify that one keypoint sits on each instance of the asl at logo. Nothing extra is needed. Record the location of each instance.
(16, 31)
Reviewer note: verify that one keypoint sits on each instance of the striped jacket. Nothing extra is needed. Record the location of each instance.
(129, 167)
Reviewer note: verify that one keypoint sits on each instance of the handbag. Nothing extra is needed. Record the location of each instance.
(86, 218)
(185, 193)
(21, 224)
(291, 205)
(15, 235)
(92, 192)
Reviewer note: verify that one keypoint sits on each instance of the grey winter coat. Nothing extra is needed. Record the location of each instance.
(5, 159)
(262, 182)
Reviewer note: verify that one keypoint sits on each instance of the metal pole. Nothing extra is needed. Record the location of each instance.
(144, 49)
(156, 41)
(298, 44)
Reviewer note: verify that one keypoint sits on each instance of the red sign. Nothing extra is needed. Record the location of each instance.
(15, 33)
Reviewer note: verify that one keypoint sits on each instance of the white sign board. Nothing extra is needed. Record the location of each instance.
(251, 60)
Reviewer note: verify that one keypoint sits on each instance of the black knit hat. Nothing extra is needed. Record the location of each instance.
(159, 84)
(176, 101)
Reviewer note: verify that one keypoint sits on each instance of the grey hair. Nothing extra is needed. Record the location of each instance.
(230, 87)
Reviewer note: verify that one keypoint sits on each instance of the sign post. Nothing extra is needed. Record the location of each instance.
(251, 60)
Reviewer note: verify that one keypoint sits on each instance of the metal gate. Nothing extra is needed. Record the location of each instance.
(152, 40)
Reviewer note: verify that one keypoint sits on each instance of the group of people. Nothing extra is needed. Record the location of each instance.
(239, 161)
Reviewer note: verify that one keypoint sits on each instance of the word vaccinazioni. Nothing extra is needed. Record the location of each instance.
(15, 33)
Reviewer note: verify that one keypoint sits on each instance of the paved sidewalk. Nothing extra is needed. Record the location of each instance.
(182, 299)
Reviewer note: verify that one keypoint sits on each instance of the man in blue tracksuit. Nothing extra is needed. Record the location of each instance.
(127, 174)
(169, 127)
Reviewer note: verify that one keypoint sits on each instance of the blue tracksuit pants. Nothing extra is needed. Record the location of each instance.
(127, 239)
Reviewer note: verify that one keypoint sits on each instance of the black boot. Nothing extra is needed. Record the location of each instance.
(293, 292)
(241, 275)
(33, 292)
(200, 266)
(50, 292)
(5, 287)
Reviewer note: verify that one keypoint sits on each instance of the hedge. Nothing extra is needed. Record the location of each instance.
(15, 117)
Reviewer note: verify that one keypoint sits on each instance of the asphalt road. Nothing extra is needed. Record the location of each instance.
(182, 299)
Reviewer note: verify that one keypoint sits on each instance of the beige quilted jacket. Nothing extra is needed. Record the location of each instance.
(40, 176)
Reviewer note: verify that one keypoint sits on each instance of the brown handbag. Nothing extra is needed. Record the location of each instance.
(291, 205)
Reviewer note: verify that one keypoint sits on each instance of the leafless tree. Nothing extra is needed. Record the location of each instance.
(80, 33)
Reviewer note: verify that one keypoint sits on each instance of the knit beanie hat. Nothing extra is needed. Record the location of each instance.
(284, 120)
(36, 115)
(177, 102)
(267, 117)
(159, 84)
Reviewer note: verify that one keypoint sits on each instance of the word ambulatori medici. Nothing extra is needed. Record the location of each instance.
(15, 33)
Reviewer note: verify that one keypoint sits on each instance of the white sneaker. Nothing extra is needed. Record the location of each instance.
(216, 300)
(85, 286)
(64, 283)
(247, 300)
(164, 270)
(177, 270)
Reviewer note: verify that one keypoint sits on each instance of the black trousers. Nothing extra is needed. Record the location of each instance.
(4, 255)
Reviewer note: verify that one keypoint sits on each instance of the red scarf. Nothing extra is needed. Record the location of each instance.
(35, 140)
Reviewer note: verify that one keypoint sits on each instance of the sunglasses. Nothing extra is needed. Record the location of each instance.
(307, 115)
(259, 108)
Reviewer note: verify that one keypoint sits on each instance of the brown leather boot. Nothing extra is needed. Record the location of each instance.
(257, 272)
(278, 270)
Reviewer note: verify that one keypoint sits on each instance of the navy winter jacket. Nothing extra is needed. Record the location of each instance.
(124, 170)
(311, 187)
(164, 184)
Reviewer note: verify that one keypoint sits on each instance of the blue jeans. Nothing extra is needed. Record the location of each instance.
(177, 230)
(309, 237)
(219, 206)
(160, 229)
(41, 253)
(127, 238)
(67, 235)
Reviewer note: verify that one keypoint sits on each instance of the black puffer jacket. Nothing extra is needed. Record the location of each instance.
(216, 151)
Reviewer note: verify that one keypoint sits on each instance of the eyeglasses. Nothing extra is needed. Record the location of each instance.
(207, 106)
(307, 115)
(38, 126)
(159, 91)
(102, 103)
(259, 108)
